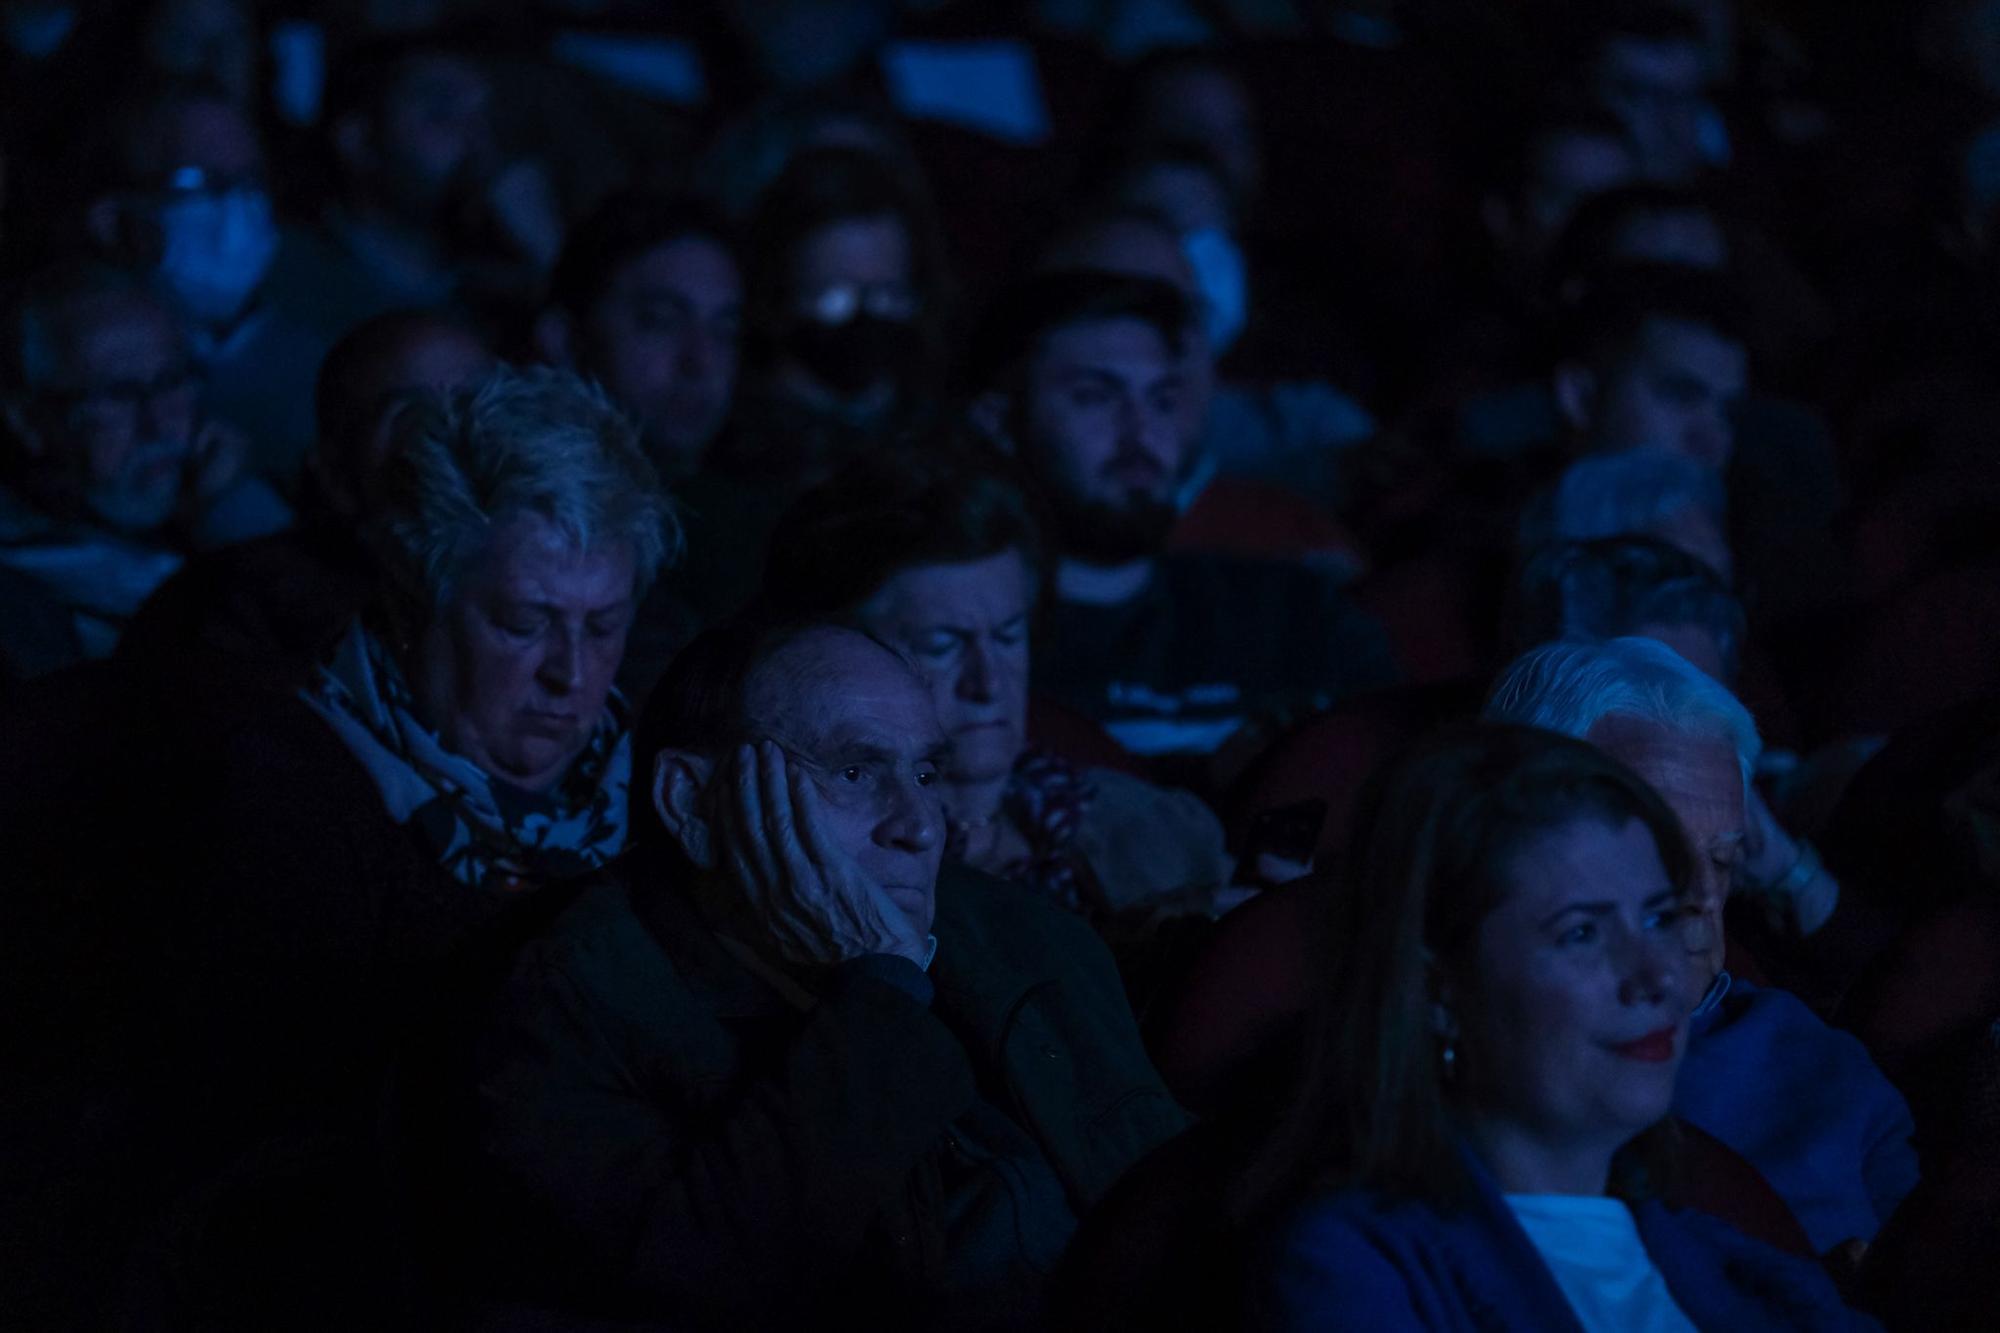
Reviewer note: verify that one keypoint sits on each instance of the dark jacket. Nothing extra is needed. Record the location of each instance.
(1353, 1261)
(686, 1146)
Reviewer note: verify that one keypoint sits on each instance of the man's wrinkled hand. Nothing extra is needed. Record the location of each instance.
(818, 904)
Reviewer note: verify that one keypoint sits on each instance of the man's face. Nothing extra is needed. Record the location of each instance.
(1139, 248)
(663, 340)
(116, 423)
(860, 724)
(1701, 780)
(1103, 423)
(1676, 389)
(432, 135)
(1658, 90)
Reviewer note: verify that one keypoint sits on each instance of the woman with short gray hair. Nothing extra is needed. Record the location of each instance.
(516, 527)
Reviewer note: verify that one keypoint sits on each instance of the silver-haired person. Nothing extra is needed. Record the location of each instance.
(518, 526)
(1802, 1102)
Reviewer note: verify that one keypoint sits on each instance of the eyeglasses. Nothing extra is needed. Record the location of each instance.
(842, 301)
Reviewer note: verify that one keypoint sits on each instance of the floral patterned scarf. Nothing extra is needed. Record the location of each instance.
(483, 833)
(1045, 799)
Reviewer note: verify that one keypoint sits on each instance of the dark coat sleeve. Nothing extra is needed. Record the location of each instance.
(706, 1193)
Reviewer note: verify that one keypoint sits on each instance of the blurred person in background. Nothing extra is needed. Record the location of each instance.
(426, 210)
(113, 471)
(185, 195)
(845, 319)
(279, 603)
(1643, 493)
(1082, 378)
(647, 300)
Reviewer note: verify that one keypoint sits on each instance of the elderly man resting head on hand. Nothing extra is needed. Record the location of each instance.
(771, 1064)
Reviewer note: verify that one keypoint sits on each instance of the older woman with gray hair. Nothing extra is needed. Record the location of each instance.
(1804, 1103)
(352, 867)
(517, 527)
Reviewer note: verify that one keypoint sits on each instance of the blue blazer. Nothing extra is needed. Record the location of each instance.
(1352, 1261)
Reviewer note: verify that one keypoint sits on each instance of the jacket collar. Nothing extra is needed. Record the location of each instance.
(979, 983)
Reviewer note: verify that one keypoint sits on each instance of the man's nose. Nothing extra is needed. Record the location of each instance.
(911, 824)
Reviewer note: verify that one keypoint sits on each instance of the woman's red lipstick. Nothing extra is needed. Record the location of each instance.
(1653, 1048)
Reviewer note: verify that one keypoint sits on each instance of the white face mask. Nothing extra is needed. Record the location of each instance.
(1222, 276)
(217, 249)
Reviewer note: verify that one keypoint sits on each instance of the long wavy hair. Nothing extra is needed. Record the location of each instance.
(1436, 831)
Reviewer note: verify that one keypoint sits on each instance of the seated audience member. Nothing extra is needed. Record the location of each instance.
(1643, 494)
(1654, 360)
(1802, 1102)
(1645, 64)
(424, 213)
(1539, 174)
(111, 472)
(864, 1087)
(185, 196)
(460, 745)
(1494, 1057)
(1611, 587)
(936, 552)
(844, 319)
(423, 801)
(1293, 434)
(282, 601)
(1638, 224)
(1082, 376)
(646, 299)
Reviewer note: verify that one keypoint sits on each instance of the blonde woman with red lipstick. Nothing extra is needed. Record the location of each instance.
(1482, 1132)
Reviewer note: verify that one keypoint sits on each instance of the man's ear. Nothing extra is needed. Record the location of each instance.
(1575, 388)
(679, 778)
(555, 338)
(988, 414)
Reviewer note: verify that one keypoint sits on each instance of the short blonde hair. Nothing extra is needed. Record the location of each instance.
(536, 441)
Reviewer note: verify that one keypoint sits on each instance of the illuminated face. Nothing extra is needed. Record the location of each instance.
(664, 339)
(1677, 389)
(965, 629)
(1701, 780)
(514, 669)
(118, 420)
(1573, 1009)
(860, 724)
(1103, 413)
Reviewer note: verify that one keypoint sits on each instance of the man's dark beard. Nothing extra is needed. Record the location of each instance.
(1100, 533)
